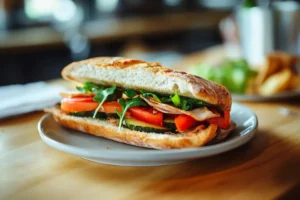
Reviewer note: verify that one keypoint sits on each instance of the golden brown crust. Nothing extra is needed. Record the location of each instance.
(149, 140)
(189, 85)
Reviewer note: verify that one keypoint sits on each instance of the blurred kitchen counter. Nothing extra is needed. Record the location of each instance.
(108, 29)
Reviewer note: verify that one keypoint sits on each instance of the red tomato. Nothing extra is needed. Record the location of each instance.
(184, 122)
(148, 115)
(111, 107)
(82, 104)
(222, 122)
(79, 99)
(78, 106)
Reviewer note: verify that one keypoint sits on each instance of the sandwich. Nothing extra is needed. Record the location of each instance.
(143, 104)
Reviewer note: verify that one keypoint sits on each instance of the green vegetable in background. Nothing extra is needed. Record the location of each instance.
(249, 3)
(233, 74)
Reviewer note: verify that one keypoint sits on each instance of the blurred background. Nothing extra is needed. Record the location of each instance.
(39, 37)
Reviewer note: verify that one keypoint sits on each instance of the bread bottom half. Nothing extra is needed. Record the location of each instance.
(137, 138)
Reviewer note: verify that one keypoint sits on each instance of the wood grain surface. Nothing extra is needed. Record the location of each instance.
(265, 168)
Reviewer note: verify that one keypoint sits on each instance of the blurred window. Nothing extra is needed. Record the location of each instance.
(172, 2)
(107, 5)
(41, 10)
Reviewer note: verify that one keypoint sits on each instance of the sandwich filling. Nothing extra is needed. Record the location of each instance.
(143, 110)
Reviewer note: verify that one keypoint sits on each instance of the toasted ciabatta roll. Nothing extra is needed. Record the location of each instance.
(144, 104)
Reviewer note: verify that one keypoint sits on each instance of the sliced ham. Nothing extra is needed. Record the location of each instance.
(199, 129)
(199, 114)
(222, 133)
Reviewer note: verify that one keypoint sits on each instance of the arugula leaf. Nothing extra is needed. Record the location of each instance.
(155, 97)
(128, 104)
(81, 89)
(195, 103)
(150, 94)
(166, 100)
(122, 102)
(88, 87)
(130, 93)
(186, 105)
(102, 95)
(201, 103)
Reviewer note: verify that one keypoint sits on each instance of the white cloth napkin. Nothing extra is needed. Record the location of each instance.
(19, 99)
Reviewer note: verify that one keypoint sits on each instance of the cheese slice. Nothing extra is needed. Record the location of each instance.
(72, 94)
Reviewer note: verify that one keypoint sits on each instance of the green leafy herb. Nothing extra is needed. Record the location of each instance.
(249, 3)
(126, 104)
(102, 95)
(197, 102)
(88, 87)
(130, 93)
(166, 100)
(112, 93)
(185, 105)
(149, 94)
(176, 100)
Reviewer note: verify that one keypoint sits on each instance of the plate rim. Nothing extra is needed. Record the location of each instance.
(180, 153)
(260, 98)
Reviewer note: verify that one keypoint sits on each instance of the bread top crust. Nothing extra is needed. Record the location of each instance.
(138, 74)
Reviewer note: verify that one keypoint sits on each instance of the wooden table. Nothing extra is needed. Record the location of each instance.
(265, 168)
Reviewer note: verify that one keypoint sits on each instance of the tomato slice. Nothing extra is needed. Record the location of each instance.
(78, 106)
(148, 115)
(222, 122)
(183, 122)
(111, 107)
(79, 99)
(82, 104)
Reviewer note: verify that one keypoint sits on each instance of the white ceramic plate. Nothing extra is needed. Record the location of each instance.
(109, 152)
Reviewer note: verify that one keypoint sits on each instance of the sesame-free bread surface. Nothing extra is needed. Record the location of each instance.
(138, 74)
